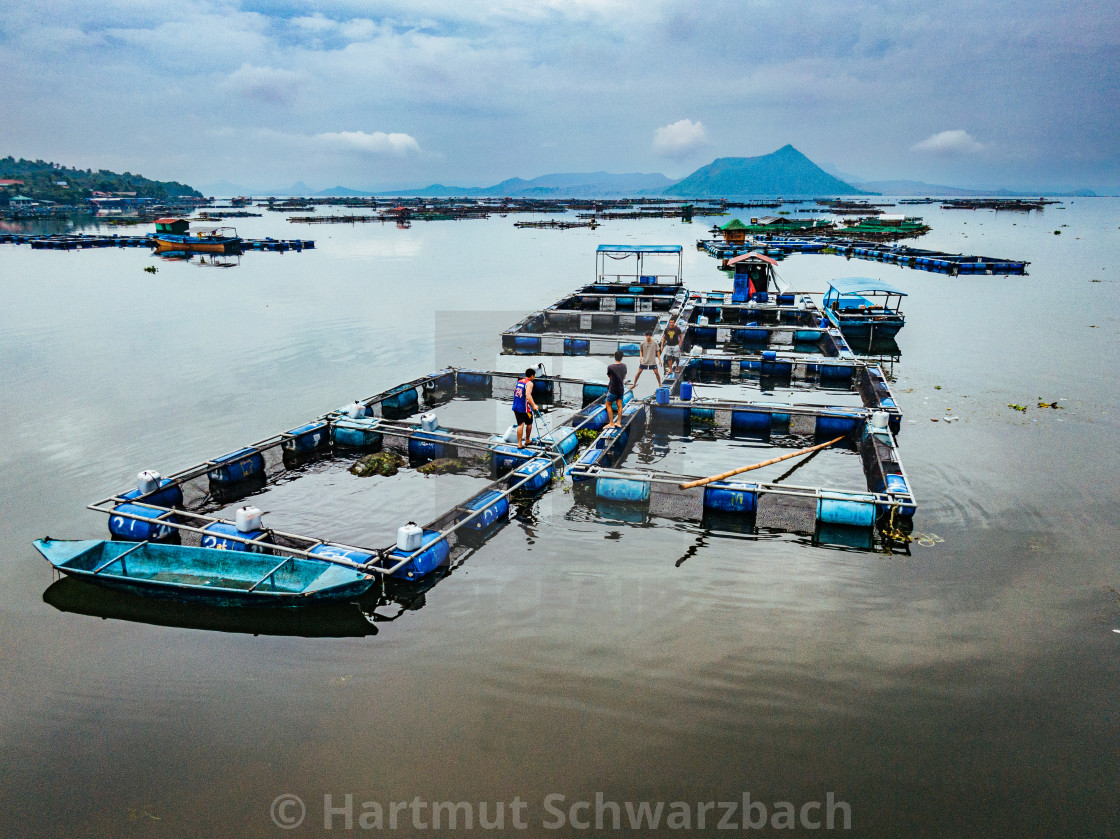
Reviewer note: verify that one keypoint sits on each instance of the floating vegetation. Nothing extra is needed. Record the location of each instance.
(1053, 404)
(382, 463)
(443, 466)
(1014, 407)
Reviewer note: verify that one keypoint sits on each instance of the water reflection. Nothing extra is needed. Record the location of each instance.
(209, 260)
(335, 620)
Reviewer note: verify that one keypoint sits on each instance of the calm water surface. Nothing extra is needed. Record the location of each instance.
(969, 689)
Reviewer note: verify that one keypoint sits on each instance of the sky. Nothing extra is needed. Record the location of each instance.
(1021, 95)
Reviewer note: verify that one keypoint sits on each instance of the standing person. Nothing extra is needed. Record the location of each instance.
(671, 346)
(523, 407)
(616, 388)
(648, 361)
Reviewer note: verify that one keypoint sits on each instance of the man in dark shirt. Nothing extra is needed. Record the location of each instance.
(616, 388)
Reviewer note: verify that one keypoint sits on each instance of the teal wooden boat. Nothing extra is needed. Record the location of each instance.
(864, 308)
(204, 575)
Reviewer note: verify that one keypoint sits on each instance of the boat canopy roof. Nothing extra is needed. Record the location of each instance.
(861, 285)
(639, 249)
(751, 256)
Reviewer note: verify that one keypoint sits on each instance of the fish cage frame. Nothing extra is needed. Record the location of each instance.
(888, 505)
(142, 507)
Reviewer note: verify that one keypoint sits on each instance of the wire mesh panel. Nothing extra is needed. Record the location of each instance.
(603, 346)
(668, 501)
(779, 511)
(802, 425)
(553, 346)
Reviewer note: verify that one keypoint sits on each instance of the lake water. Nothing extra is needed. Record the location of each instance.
(968, 689)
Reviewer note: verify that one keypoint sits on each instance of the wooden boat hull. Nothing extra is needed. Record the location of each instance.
(196, 245)
(864, 327)
(204, 575)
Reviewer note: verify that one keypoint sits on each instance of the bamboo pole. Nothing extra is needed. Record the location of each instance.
(722, 475)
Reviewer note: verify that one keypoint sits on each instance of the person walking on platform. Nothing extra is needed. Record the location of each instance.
(524, 406)
(671, 346)
(616, 389)
(648, 360)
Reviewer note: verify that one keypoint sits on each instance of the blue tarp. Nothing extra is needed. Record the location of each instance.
(639, 249)
(860, 285)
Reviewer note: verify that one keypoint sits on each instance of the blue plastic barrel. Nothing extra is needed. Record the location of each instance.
(592, 391)
(214, 536)
(327, 550)
(897, 483)
(495, 511)
(829, 427)
(169, 494)
(430, 445)
(686, 390)
(563, 439)
(847, 509)
(629, 349)
(134, 530)
(628, 490)
(527, 343)
(431, 557)
(662, 395)
(539, 474)
(750, 424)
(400, 404)
(306, 438)
(356, 433)
(505, 457)
(577, 346)
(237, 466)
(731, 497)
(591, 457)
(473, 382)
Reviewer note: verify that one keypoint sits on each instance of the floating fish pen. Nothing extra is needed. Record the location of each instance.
(861, 495)
(553, 224)
(460, 482)
(1015, 204)
(81, 241)
(827, 378)
(577, 332)
(921, 259)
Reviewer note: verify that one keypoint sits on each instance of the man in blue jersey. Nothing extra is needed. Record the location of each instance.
(524, 406)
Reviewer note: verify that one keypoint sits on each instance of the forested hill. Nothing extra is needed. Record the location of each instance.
(54, 182)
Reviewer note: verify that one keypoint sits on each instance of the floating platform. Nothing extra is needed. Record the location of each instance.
(199, 506)
(81, 241)
(863, 499)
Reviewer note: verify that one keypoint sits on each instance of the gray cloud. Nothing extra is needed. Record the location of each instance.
(504, 87)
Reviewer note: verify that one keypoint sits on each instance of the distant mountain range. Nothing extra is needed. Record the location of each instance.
(786, 173)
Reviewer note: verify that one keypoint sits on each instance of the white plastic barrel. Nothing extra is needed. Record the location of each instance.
(429, 422)
(409, 537)
(147, 481)
(540, 371)
(356, 410)
(248, 519)
(880, 419)
(702, 320)
(511, 434)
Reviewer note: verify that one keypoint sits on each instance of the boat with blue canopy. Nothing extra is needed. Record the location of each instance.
(864, 307)
(205, 575)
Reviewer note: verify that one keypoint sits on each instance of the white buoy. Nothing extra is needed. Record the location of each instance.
(248, 519)
(356, 410)
(429, 422)
(409, 537)
(147, 481)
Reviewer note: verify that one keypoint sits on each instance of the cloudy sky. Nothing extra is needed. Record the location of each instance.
(372, 94)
